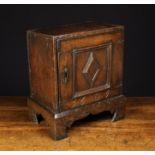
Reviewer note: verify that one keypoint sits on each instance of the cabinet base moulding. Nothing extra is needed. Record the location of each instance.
(59, 122)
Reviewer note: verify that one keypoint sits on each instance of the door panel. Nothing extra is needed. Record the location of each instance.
(85, 66)
(91, 69)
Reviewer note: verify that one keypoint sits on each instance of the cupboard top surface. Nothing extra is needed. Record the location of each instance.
(76, 28)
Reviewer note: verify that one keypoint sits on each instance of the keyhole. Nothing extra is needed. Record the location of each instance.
(65, 75)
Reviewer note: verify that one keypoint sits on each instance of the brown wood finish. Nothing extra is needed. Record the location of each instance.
(135, 132)
(75, 70)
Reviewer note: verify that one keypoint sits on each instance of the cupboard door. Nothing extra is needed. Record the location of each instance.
(85, 67)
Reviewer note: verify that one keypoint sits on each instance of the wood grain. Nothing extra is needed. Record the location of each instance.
(135, 132)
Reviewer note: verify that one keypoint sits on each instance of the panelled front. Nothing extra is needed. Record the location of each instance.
(90, 68)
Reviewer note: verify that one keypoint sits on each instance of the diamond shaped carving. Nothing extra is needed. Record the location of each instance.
(91, 69)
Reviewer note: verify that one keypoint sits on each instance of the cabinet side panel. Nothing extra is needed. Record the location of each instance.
(42, 69)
